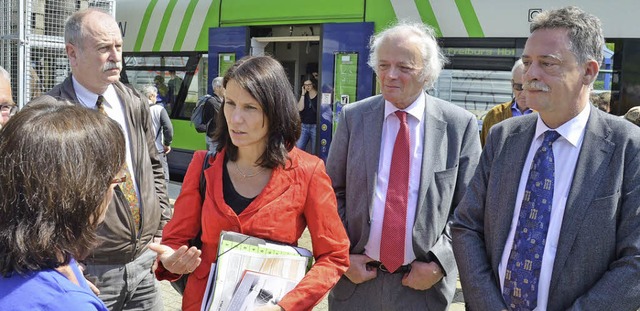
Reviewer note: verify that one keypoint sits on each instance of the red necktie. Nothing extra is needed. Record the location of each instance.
(395, 207)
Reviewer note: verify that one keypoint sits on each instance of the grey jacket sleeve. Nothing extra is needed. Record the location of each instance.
(167, 128)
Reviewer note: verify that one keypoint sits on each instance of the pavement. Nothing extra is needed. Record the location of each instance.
(172, 300)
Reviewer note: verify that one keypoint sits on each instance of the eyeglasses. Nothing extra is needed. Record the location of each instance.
(517, 86)
(119, 180)
(8, 108)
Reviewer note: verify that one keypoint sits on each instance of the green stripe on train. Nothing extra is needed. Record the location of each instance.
(184, 26)
(211, 20)
(428, 16)
(164, 24)
(469, 18)
(143, 26)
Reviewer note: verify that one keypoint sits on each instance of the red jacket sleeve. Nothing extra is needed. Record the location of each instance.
(185, 224)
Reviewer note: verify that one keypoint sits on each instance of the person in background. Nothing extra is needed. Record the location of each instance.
(308, 107)
(60, 164)
(121, 265)
(400, 163)
(258, 184)
(601, 100)
(158, 82)
(7, 106)
(173, 87)
(514, 108)
(633, 115)
(558, 227)
(210, 111)
(161, 125)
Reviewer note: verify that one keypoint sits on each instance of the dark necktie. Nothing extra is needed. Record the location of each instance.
(100, 104)
(525, 260)
(395, 207)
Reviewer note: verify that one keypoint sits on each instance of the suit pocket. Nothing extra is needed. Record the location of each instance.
(444, 182)
(343, 290)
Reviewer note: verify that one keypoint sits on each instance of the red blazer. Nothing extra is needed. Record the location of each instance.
(294, 198)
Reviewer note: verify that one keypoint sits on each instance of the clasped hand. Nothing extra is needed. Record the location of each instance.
(180, 261)
(423, 275)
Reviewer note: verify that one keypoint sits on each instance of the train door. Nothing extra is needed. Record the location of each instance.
(336, 52)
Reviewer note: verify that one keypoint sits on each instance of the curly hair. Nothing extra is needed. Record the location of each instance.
(265, 79)
(425, 38)
(57, 162)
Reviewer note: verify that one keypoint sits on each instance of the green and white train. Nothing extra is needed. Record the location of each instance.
(199, 39)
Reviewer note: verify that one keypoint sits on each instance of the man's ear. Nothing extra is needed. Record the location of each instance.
(591, 70)
(72, 54)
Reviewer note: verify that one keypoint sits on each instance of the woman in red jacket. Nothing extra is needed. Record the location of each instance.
(258, 184)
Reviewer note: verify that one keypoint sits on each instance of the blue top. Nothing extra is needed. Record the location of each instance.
(48, 290)
(515, 112)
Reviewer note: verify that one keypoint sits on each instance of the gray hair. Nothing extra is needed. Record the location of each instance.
(217, 82)
(517, 65)
(148, 89)
(5, 74)
(432, 57)
(73, 28)
(585, 31)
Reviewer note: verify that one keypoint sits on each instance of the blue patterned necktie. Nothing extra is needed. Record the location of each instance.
(525, 260)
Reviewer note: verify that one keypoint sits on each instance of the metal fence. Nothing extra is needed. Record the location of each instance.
(32, 44)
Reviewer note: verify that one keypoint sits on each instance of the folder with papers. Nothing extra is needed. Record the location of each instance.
(238, 253)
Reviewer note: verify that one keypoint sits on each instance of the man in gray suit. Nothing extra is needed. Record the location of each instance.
(582, 251)
(400, 163)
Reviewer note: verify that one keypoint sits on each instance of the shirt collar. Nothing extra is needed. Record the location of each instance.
(416, 109)
(88, 99)
(514, 108)
(571, 130)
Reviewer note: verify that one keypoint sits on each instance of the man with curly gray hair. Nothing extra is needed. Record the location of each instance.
(400, 163)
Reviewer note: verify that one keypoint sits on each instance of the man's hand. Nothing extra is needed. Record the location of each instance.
(358, 271)
(423, 275)
(166, 149)
(181, 261)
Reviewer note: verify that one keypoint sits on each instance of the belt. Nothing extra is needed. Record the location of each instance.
(378, 265)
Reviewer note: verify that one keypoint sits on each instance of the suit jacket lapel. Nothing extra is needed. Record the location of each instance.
(372, 121)
(595, 153)
(435, 130)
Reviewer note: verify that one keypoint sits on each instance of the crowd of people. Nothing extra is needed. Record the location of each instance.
(539, 212)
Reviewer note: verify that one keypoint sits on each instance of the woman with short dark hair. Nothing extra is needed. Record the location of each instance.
(258, 184)
(59, 164)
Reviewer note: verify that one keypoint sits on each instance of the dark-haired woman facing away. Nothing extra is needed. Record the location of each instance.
(259, 184)
(59, 164)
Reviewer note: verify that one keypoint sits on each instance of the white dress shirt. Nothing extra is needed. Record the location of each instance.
(390, 128)
(114, 109)
(565, 152)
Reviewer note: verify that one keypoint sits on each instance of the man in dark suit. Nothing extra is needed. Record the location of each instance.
(558, 228)
(399, 164)
(121, 264)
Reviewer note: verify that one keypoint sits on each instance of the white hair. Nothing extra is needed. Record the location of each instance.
(148, 89)
(432, 56)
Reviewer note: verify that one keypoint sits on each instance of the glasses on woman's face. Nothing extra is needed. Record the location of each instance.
(11, 109)
(516, 86)
(119, 180)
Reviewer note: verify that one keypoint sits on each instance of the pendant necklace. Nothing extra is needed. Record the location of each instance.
(247, 175)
